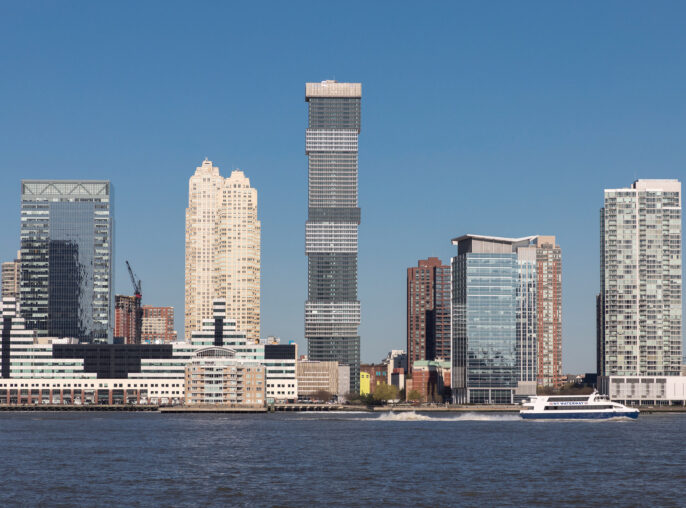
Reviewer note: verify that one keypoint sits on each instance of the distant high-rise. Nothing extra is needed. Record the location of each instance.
(158, 325)
(222, 249)
(125, 308)
(66, 258)
(11, 278)
(639, 306)
(428, 311)
(332, 310)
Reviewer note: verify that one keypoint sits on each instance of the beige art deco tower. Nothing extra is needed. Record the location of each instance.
(222, 249)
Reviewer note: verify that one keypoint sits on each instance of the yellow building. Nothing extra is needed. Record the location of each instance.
(365, 384)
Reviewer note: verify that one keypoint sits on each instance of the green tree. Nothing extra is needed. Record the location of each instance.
(386, 392)
(414, 395)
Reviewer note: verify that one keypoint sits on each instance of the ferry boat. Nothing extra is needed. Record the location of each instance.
(578, 407)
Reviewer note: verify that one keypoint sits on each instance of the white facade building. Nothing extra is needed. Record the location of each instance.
(639, 306)
(644, 390)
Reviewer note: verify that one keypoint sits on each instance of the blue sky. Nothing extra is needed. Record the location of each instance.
(502, 118)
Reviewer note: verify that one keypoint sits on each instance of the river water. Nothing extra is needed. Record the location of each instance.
(299, 459)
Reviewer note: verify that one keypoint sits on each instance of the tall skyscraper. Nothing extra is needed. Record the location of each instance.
(539, 310)
(11, 278)
(66, 258)
(639, 306)
(222, 249)
(549, 311)
(507, 316)
(332, 310)
(428, 311)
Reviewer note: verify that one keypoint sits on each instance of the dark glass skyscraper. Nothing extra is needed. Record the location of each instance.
(332, 311)
(66, 251)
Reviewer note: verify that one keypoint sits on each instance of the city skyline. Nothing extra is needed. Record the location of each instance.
(580, 127)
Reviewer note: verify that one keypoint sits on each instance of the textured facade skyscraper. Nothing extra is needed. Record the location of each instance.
(66, 258)
(639, 306)
(549, 311)
(332, 310)
(222, 250)
(428, 311)
(237, 253)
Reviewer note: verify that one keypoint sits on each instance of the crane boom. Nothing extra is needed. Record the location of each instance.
(136, 285)
(138, 295)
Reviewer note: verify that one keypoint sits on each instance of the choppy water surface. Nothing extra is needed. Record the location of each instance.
(296, 459)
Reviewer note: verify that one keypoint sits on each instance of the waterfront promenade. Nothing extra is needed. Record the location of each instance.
(493, 409)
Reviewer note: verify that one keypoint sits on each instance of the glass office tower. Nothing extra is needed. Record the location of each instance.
(332, 311)
(66, 253)
(484, 331)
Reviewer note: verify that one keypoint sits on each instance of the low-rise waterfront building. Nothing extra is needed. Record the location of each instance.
(365, 386)
(215, 375)
(644, 390)
(398, 378)
(280, 363)
(343, 382)
(158, 371)
(91, 391)
(431, 379)
(315, 376)
(378, 374)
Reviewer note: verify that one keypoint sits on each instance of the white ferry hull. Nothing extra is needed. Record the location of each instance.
(581, 415)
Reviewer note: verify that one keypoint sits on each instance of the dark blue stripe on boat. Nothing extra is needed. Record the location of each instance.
(577, 416)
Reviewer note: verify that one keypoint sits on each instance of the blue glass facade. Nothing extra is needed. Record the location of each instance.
(66, 248)
(484, 356)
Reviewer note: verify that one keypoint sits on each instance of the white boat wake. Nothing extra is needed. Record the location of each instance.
(411, 416)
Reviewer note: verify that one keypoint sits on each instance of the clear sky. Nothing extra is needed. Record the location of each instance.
(500, 118)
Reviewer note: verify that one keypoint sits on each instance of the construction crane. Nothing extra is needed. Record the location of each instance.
(138, 310)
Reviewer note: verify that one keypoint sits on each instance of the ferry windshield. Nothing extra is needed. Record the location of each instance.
(568, 399)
